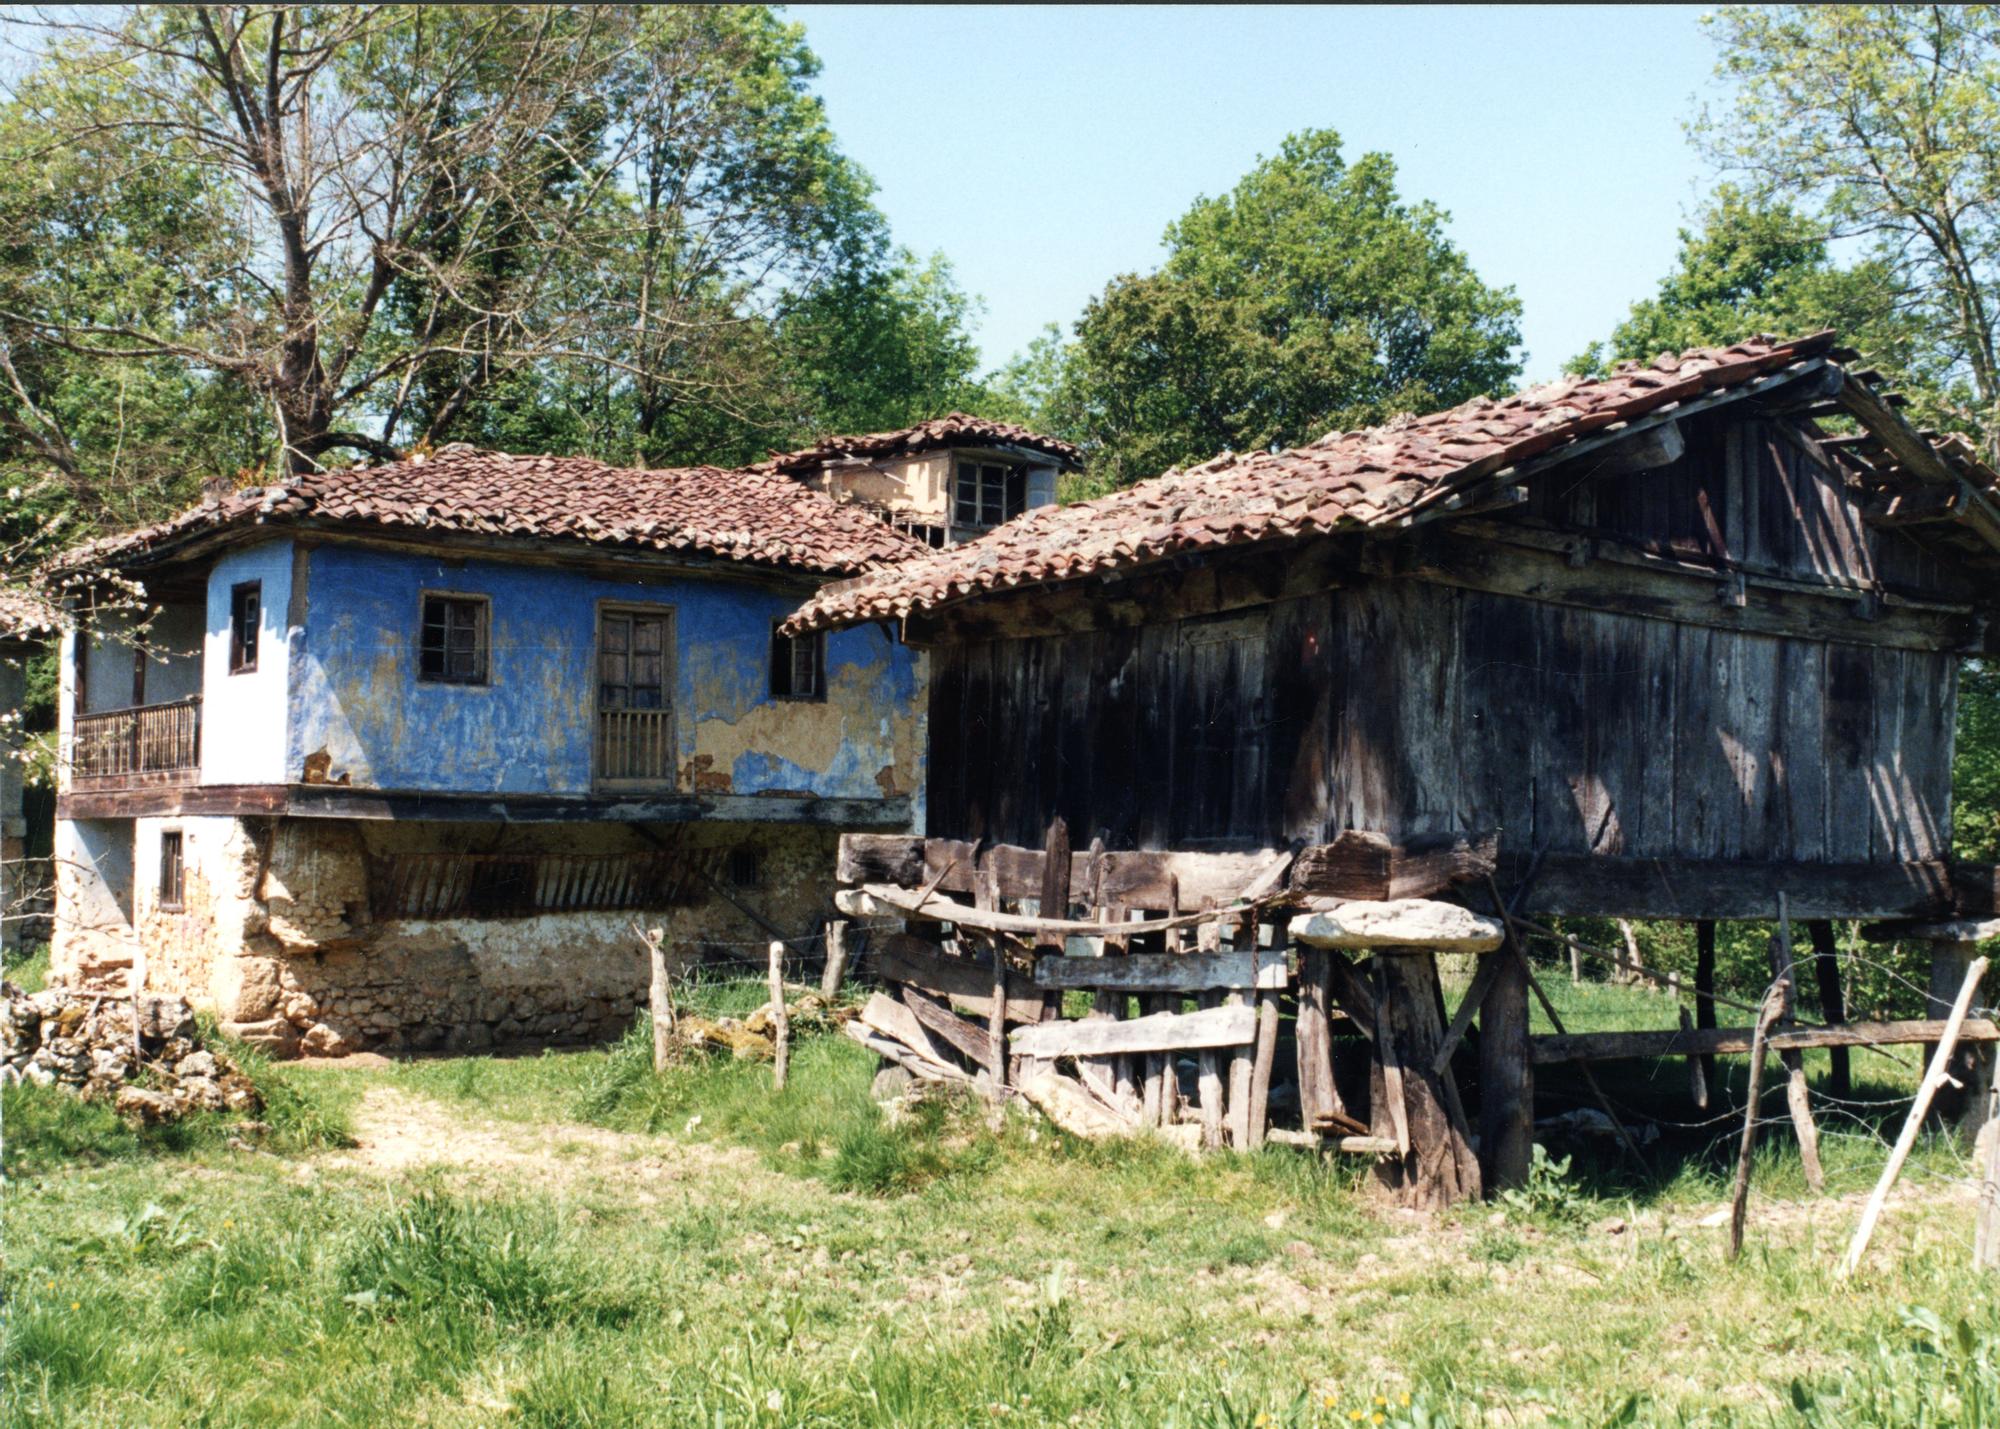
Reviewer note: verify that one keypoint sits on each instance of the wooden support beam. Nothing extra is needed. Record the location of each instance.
(1506, 1076)
(1832, 1001)
(1361, 864)
(1704, 994)
(1578, 885)
(1550, 1049)
(1136, 880)
(1413, 1104)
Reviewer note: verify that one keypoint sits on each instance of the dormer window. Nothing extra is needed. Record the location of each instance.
(988, 493)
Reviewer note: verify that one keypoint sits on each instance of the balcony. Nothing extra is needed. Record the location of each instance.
(143, 747)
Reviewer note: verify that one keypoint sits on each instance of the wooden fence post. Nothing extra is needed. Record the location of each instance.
(1739, 1200)
(836, 960)
(781, 1026)
(660, 999)
(1797, 1100)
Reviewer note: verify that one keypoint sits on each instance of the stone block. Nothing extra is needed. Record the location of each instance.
(274, 1036)
(246, 989)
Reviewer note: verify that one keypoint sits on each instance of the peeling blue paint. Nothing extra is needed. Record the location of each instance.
(355, 693)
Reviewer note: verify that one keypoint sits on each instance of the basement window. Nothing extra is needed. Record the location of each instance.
(246, 603)
(453, 645)
(172, 875)
(798, 666)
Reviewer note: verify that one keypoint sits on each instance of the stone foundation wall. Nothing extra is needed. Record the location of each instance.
(276, 934)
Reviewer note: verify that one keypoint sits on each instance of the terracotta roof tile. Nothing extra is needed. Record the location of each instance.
(956, 430)
(1343, 481)
(753, 516)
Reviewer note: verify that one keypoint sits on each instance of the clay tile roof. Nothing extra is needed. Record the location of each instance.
(753, 516)
(1345, 481)
(956, 430)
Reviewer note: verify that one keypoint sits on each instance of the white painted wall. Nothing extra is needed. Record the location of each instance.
(93, 893)
(243, 715)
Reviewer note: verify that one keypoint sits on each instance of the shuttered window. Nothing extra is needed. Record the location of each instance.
(798, 666)
(453, 646)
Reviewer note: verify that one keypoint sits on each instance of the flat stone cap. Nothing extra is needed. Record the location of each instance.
(1398, 923)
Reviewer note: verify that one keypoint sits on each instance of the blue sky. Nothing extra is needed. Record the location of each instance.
(1046, 149)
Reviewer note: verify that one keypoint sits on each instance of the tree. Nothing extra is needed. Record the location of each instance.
(1765, 268)
(884, 344)
(1310, 298)
(392, 213)
(1879, 120)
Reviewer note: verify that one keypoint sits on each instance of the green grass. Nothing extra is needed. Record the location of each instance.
(695, 1250)
(27, 967)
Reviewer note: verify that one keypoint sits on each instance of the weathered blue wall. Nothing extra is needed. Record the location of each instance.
(355, 694)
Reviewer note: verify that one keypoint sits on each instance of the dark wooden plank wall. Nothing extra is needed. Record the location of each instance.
(1751, 493)
(1411, 707)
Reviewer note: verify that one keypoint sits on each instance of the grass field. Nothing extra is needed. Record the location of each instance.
(568, 1240)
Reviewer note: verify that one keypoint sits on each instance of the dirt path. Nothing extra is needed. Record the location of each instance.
(397, 1132)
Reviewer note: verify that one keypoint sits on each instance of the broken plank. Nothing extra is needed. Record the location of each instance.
(966, 985)
(1404, 923)
(891, 1018)
(879, 900)
(902, 1056)
(1548, 1049)
(973, 1042)
(1157, 1032)
(1165, 972)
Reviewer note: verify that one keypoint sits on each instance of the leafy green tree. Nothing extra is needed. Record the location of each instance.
(1312, 297)
(1754, 268)
(1879, 120)
(884, 344)
(395, 213)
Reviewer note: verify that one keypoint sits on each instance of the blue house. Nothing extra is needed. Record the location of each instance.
(397, 755)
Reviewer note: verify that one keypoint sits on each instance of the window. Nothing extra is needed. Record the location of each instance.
(170, 870)
(745, 867)
(452, 650)
(798, 666)
(988, 493)
(246, 602)
(632, 660)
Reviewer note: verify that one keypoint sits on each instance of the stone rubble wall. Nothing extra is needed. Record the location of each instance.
(99, 1046)
(275, 934)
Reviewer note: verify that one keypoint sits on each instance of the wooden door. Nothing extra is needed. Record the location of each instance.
(635, 706)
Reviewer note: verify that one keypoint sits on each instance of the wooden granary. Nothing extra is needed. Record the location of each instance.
(1681, 642)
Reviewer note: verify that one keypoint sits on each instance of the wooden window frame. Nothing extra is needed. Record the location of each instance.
(173, 890)
(1012, 487)
(243, 654)
(482, 639)
(669, 692)
(785, 679)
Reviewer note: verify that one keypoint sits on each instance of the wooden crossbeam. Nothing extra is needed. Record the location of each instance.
(1708, 1041)
(1166, 972)
(1159, 1032)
